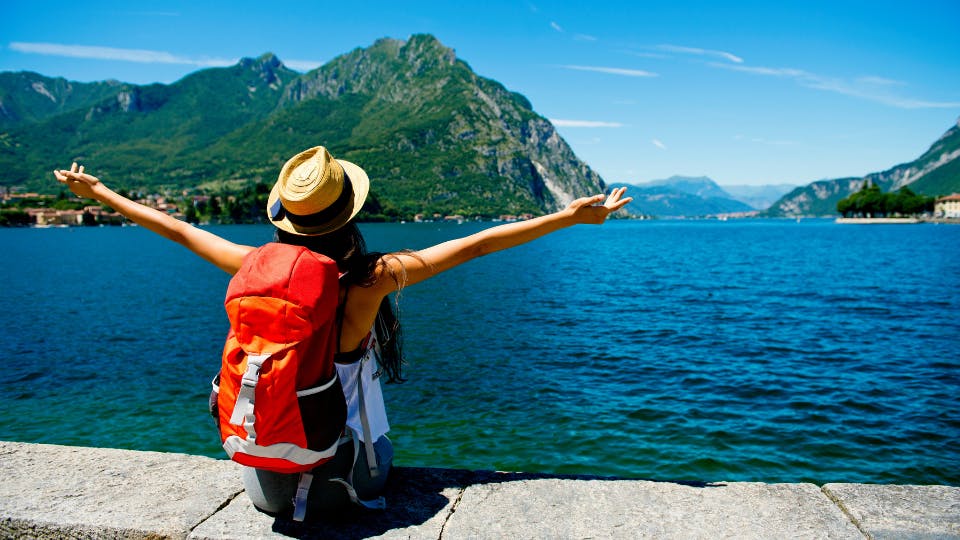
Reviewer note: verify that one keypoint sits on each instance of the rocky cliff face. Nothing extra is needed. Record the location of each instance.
(943, 153)
(436, 105)
(936, 172)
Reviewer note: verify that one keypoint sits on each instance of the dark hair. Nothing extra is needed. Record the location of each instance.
(348, 249)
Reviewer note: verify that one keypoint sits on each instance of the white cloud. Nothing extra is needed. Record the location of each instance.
(659, 144)
(701, 52)
(880, 81)
(584, 123)
(614, 71)
(774, 72)
(584, 37)
(556, 26)
(645, 54)
(142, 56)
(868, 88)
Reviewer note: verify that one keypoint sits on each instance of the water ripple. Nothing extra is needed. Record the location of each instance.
(765, 351)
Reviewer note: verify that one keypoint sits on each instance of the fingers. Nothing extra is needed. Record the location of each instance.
(615, 200)
(615, 196)
(619, 204)
(76, 174)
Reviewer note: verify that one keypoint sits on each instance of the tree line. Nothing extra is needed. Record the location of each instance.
(246, 205)
(871, 202)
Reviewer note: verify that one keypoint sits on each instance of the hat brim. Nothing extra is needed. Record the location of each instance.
(361, 186)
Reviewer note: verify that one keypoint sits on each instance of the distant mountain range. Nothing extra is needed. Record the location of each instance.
(936, 172)
(684, 196)
(759, 197)
(433, 135)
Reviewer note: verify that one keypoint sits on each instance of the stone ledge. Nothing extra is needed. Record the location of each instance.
(54, 491)
(77, 492)
(894, 512)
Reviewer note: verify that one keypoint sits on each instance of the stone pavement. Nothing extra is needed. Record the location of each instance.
(50, 491)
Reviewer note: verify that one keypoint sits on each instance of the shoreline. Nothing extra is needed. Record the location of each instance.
(897, 221)
(494, 221)
(54, 491)
(878, 221)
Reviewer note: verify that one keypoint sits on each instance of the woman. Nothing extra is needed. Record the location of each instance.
(313, 204)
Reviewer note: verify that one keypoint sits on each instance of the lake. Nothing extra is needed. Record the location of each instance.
(746, 350)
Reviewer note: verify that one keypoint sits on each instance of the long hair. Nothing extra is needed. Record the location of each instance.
(348, 249)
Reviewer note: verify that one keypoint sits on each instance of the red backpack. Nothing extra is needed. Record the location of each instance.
(280, 405)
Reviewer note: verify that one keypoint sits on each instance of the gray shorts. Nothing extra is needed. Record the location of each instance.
(274, 492)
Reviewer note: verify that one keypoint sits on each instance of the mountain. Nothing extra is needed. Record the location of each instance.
(681, 196)
(701, 186)
(936, 172)
(147, 136)
(433, 135)
(759, 197)
(27, 97)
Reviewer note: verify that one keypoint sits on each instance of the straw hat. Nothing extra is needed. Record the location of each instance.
(316, 194)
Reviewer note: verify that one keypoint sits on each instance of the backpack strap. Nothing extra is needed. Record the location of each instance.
(380, 503)
(365, 423)
(341, 310)
(300, 501)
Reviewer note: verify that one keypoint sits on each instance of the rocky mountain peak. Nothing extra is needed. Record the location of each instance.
(266, 60)
(424, 52)
(266, 67)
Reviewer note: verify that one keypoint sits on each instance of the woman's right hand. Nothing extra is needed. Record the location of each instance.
(80, 183)
(594, 210)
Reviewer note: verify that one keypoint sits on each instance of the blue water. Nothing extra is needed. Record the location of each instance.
(744, 350)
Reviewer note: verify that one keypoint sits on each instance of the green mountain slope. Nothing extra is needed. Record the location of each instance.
(433, 135)
(936, 172)
(27, 97)
(148, 135)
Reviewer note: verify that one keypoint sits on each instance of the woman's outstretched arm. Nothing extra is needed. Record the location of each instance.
(223, 253)
(431, 261)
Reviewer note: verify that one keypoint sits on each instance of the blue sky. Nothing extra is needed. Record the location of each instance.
(742, 92)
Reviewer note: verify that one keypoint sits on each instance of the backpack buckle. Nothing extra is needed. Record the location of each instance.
(254, 363)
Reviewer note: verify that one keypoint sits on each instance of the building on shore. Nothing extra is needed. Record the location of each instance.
(48, 217)
(948, 207)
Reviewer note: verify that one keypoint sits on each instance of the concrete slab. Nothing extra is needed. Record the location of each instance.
(900, 512)
(51, 491)
(565, 508)
(418, 503)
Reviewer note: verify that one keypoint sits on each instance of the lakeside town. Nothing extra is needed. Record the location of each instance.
(29, 209)
(42, 210)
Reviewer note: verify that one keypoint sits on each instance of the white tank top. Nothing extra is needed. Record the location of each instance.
(369, 370)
